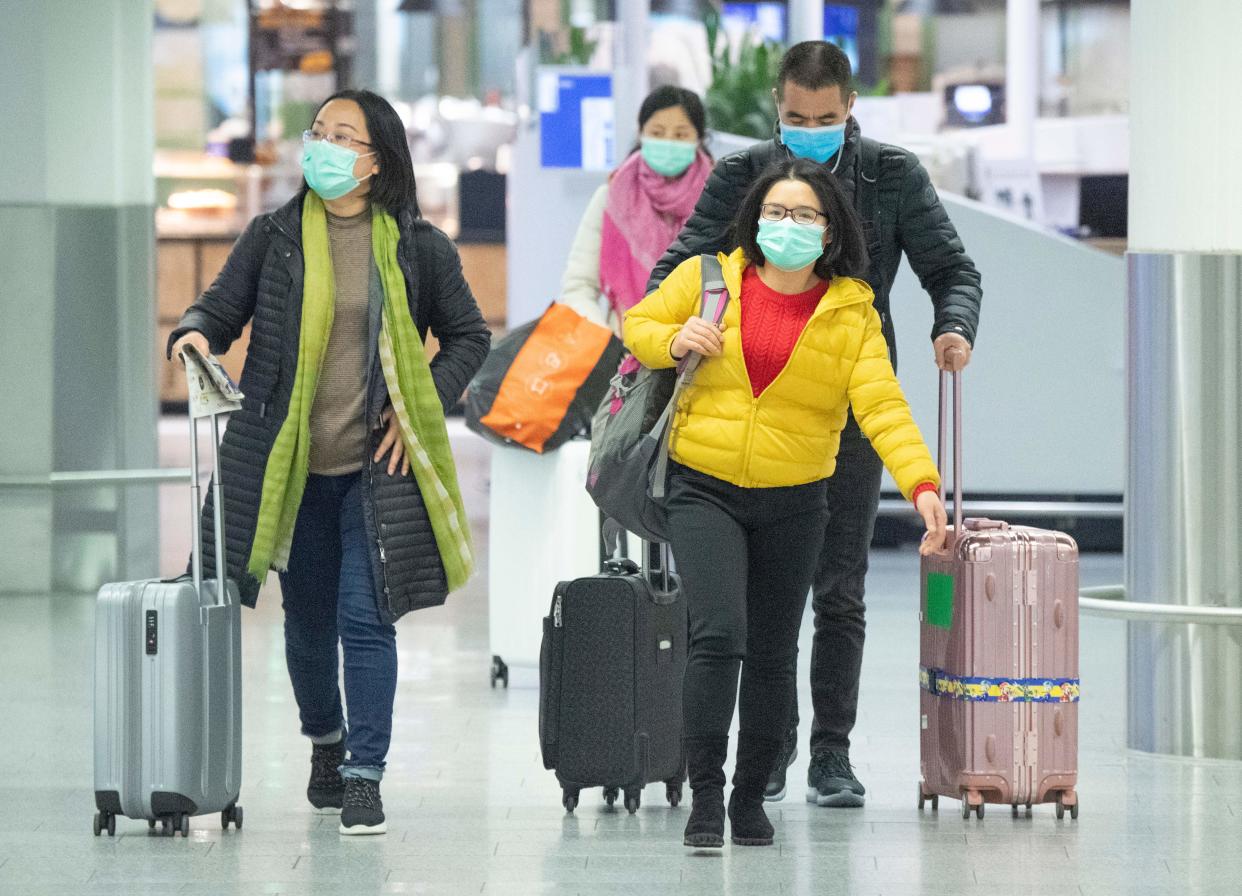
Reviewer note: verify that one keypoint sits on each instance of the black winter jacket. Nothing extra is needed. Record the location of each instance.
(899, 210)
(261, 284)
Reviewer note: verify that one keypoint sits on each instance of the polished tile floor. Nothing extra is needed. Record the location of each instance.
(471, 809)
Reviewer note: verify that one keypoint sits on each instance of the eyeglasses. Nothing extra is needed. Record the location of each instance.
(803, 214)
(342, 140)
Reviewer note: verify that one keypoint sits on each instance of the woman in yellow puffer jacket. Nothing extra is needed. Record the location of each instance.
(754, 441)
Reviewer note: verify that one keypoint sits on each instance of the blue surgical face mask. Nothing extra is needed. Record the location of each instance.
(329, 168)
(791, 246)
(817, 144)
(668, 157)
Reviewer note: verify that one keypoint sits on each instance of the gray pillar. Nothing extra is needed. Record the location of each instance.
(76, 290)
(1184, 485)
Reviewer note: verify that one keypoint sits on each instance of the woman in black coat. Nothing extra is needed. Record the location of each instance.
(337, 469)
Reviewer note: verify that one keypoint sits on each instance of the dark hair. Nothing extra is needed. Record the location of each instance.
(666, 97)
(846, 253)
(393, 188)
(814, 65)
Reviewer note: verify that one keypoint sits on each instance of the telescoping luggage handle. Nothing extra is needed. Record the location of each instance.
(211, 394)
(656, 559)
(942, 427)
(714, 304)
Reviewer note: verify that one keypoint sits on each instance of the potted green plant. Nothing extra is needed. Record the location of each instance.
(739, 100)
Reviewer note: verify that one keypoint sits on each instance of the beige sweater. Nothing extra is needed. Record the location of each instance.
(580, 288)
(338, 434)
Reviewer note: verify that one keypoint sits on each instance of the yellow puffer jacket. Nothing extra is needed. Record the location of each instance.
(790, 434)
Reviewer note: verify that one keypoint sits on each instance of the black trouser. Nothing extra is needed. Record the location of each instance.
(840, 614)
(746, 559)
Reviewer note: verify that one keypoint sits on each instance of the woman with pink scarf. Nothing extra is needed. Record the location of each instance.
(635, 217)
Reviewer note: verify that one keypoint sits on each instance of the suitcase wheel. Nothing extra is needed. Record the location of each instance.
(632, 801)
(166, 826)
(610, 795)
(673, 795)
(500, 672)
(569, 799)
(105, 821)
(1067, 800)
(231, 814)
(184, 826)
(970, 805)
(925, 798)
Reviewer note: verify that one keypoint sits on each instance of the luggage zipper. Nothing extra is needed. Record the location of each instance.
(556, 613)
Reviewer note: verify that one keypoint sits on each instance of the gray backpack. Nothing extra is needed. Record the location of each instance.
(630, 433)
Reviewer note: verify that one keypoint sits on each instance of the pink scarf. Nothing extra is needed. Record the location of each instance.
(645, 212)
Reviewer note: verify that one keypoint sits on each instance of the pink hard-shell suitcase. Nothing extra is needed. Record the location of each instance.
(998, 665)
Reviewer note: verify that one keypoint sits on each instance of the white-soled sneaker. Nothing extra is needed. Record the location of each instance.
(363, 812)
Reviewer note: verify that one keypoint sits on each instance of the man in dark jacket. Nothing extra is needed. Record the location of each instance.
(900, 212)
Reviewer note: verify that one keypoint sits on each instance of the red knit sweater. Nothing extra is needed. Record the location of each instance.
(771, 325)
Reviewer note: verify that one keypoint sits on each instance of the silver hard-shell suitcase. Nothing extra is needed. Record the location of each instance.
(168, 688)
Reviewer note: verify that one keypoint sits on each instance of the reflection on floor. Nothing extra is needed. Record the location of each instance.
(471, 809)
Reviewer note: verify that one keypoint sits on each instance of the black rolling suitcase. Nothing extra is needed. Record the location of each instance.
(610, 681)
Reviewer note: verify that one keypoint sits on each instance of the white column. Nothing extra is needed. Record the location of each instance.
(1022, 61)
(629, 86)
(1185, 133)
(806, 20)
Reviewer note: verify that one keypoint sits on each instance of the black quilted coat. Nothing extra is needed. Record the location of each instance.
(261, 284)
(897, 205)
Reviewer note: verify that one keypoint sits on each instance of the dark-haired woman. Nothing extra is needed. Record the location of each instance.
(337, 469)
(633, 218)
(754, 441)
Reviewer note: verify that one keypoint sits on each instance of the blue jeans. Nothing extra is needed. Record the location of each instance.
(330, 596)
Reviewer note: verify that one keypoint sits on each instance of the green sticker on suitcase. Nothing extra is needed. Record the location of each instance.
(940, 600)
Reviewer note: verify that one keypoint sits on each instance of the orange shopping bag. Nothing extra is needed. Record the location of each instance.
(542, 383)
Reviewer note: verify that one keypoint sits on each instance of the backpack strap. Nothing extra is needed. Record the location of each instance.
(712, 306)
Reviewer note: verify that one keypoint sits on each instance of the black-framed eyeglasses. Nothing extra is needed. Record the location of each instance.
(342, 140)
(803, 214)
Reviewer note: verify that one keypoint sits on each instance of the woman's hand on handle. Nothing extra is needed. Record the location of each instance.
(392, 439)
(935, 519)
(698, 335)
(194, 338)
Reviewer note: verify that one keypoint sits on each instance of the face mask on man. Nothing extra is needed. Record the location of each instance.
(791, 246)
(817, 144)
(670, 158)
(329, 168)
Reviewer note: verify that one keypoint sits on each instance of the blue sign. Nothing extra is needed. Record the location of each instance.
(841, 28)
(576, 119)
(767, 18)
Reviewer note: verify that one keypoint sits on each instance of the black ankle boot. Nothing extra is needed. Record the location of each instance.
(749, 825)
(705, 758)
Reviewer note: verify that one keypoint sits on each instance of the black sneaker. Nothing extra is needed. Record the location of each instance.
(326, 789)
(775, 791)
(364, 810)
(831, 781)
